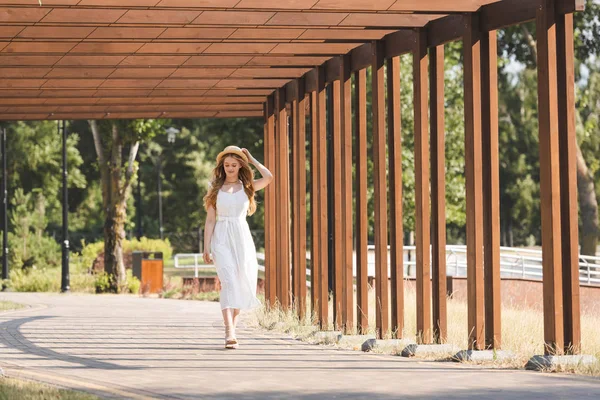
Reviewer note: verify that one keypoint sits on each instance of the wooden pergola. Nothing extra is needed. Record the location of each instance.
(116, 59)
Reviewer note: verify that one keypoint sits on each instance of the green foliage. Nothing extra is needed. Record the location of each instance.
(28, 246)
(133, 283)
(102, 282)
(35, 280)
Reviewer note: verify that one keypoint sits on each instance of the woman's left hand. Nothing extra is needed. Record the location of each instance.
(247, 153)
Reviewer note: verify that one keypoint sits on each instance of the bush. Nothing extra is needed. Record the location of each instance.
(34, 251)
(35, 280)
(102, 282)
(92, 255)
(133, 283)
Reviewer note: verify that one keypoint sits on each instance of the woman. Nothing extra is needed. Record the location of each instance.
(227, 238)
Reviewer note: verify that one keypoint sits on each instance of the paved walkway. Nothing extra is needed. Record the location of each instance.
(130, 347)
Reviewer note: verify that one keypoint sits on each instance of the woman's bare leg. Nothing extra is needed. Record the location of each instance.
(228, 321)
(235, 319)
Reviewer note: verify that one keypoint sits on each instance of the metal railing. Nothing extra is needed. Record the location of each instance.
(514, 263)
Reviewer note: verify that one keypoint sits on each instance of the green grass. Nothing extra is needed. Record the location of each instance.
(9, 306)
(11, 389)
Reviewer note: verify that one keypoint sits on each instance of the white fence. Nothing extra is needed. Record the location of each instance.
(514, 263)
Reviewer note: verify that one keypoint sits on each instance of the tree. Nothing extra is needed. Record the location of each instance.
(116, 179)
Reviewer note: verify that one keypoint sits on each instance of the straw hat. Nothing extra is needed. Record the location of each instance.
(232, 150)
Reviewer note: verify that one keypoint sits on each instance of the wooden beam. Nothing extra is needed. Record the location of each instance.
(315, 254)
(420, 68)
(395, 175)
(332, 69)
(568, 182)
(346, 156)
(336, 193)
(283, 201)
(270, 205)
(491, 189)
(474, 181)
(438, 195)
(360, 117)
(300, 200)
(361, 57)
(399, 42)
(380, 190)
(550, 177)
(294, 189)
(323, 234)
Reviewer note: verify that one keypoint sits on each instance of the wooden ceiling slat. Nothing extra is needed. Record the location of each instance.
(129, 83)
(23, 117)
(225, 61)
(307, 18)
(281, 4)
(68, 93)
(269, 72)
(86, 73)
(287, 61)
(106, 48)
(121, 93)
(139, 60)
(9, 32)
(118, 3)
(55, 32)
(198, 3)
(141, 73)
(80, 61)
(439, 5)
(188, 83)
(389, 20)
(21, 73)
(159, 17)
(122, 100)
(17, 14)
(179, 48)
(36, 3)
(345, 34)
(216, 73)
(197, 33)
(239, 114)
(118, 32)
(38, 47)
(251, 83)
(264, 33)
(240, 48)
(325, 48)
(353, 5)
(21, 83)
(82, 15)
(229, 17)
(71, 83)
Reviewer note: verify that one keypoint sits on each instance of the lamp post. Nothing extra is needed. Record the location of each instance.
(65, 286)
(4, 211)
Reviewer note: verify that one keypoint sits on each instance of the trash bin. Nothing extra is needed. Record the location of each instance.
(148, 268)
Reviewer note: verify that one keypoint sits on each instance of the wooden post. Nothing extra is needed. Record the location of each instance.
(473, 175)
(395, 174)
(336, 185)
(420, 68)
(283, 201)
(294, 196)
(380, 191)
(568, 182)
(270, 235)
(346, 156)
(438, 195)
(300, 198)
(550, 177)
(362, 294)
(319, 201)
(315, 255)
(491, 189)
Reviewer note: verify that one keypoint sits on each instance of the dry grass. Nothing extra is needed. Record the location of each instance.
(25, 390)
(522, 330)
(10, 306)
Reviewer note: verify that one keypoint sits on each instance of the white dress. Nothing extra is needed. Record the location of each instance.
(234, 253)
